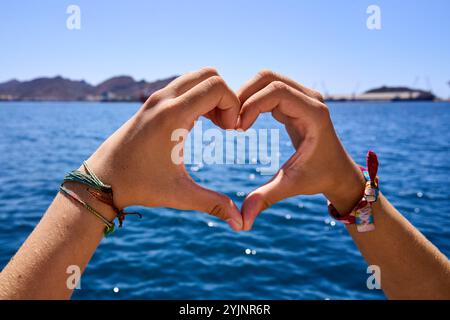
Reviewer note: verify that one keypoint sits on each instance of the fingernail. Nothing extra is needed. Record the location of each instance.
(235, 225)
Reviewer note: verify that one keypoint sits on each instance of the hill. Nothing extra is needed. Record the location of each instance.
(121, 88)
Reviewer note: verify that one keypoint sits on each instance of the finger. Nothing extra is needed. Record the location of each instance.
(265, 196)
(280, 117)
(207, 95)
(279, 98)
(265, 77)
(189, 80)
(214, 116)
(219, 205)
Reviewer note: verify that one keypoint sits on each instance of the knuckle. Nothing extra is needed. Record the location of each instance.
(222, 207)
(155, 98)
(209, 71)
(317, 95)
(323, 111)
(278, 86)
(215, 211)
(218, 212)
(266, 74)
(215, 82)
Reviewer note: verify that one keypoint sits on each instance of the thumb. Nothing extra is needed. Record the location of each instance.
(263, 197)
(219, 205)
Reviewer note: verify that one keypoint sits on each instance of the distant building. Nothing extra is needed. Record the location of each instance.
(6, 97)
(387, 94)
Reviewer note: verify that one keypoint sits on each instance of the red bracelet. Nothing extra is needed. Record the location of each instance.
(361, 215)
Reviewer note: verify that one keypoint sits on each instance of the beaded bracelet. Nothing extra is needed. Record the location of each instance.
(362, 215)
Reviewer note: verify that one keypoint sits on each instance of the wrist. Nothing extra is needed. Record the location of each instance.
(347, 190)
(111, 163)
(100, 191)
(105, 166)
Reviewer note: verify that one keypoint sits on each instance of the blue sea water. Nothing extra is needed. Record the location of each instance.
(295, 252)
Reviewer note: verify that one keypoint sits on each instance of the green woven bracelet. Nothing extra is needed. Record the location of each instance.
(92, 181)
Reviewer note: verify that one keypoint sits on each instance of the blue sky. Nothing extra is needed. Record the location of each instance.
(322, 43)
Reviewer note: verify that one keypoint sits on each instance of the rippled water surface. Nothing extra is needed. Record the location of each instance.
(294, 250)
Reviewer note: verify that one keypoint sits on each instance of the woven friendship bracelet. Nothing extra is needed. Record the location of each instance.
(109, 226)
(98, 190)
(362, 215)
(90, 179)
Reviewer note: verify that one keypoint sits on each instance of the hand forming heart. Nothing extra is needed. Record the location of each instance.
(136, 159)
(320, 163)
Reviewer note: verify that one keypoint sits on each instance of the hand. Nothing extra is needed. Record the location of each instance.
(320, 163)
(137, 159)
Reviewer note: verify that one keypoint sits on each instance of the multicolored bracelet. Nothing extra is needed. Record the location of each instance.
(362, 215)
(109, 225)
(99, 191)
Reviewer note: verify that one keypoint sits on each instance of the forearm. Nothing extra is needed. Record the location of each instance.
(66, 235)
(138, 166)
(411, 266)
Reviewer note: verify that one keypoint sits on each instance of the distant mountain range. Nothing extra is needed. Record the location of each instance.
(121, 88)
(125, 88)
